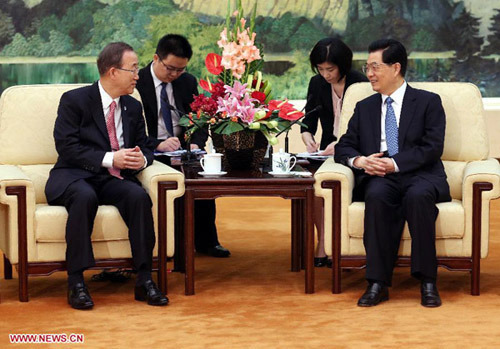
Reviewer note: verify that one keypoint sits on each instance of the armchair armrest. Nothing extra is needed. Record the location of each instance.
(481, 183)
(17, 209)
(487, 171)
(336, 201)
(332, 171)
(150, 178)
(159, 172)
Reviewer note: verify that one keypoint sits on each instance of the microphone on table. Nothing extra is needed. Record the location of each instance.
(287, 129)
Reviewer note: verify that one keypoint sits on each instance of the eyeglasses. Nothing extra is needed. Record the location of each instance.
(133, 71)
(171, 69)
(374, 67)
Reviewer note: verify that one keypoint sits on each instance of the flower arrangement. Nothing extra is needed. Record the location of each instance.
(240, 99)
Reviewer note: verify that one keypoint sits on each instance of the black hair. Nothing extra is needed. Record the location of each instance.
(174, 44)
(393, 52)
(331, 50)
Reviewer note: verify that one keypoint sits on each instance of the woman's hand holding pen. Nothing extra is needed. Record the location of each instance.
(310, 143)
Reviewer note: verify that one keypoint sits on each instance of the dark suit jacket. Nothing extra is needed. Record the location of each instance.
(184, 87)
(421, 137)
(320, 93)
(82, 139)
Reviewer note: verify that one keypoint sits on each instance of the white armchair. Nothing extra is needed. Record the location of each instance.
(32, 233)
(462, 226)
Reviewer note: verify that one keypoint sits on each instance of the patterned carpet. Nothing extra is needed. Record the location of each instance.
(252, 300)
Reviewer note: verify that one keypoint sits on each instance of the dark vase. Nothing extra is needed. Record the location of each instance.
(243, 150)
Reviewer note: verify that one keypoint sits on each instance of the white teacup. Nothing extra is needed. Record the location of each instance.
(211, 163)
(283, 162)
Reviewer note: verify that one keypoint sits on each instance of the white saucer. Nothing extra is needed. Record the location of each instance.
(302, 173)
(221, 173)
(281, 174)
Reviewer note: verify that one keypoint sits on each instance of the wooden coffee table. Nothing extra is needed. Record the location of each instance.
(250, 183)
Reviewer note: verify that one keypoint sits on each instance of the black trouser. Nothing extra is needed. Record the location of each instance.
(205, 231)
(82, 199)
(389, 202)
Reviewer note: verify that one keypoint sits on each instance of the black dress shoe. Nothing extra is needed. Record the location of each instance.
(329, 263)
(320, 261)
(79, 297)
(150, 293)
(217, 251)
(430, 295)
(375, 293)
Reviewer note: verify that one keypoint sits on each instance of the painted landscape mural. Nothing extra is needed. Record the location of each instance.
(52, 41)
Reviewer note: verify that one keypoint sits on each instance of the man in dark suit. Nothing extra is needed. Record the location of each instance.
(394, 143)
(101, 141)
(166, 91)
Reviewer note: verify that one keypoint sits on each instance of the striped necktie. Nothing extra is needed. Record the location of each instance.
(113, 140)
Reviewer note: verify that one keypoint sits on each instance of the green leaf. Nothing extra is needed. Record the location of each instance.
(231, 128)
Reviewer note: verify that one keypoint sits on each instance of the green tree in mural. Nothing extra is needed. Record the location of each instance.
(467, 40)
(125, 21)
(286, 33)
(6, 29)
(18, 47)
(59, 44)
(493, 46)
(425, 40)
(395, 26)
(18, 13)
(305, 33)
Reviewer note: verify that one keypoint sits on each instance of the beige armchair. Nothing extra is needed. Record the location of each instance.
(462, 226)
(32, 233)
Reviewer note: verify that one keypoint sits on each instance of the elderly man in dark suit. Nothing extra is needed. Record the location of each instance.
(166, 92)
(394, 143)
(101, 141)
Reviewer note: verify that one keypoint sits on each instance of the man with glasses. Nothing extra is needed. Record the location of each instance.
(394, 144)
(101, 141)
(166, 91)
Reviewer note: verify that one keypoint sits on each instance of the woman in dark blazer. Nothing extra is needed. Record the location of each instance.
(331, 60)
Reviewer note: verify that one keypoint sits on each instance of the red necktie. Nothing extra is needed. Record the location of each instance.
(110, 125)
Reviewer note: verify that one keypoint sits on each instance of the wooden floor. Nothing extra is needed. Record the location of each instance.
(252, 300)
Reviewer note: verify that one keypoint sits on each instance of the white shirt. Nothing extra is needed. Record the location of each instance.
(162, 130)
(106, 99)
(397, 104)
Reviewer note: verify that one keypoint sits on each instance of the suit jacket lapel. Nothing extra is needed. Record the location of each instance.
(376, 121)
(407, 113)
(96, 110)
(150, 100)
(178, 97)
(326, 96)
(125, 123)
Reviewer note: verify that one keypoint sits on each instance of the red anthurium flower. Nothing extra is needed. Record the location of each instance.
(272, 106)
(261, 96)
(206, 85)
(288, 112)
(212, 62)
